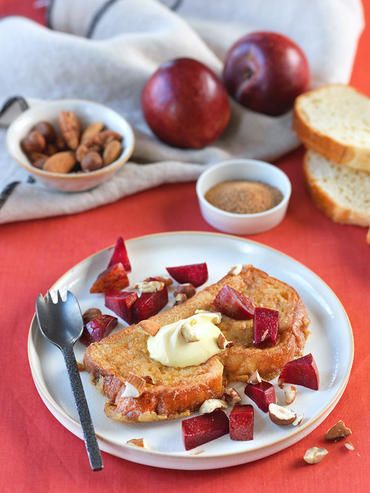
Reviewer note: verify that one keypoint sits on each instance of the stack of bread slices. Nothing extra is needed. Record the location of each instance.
(333, 122)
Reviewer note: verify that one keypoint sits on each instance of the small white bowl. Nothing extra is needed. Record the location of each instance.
(243, 169)
(88, 112)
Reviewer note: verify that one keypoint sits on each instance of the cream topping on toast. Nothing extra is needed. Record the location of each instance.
(187, 342)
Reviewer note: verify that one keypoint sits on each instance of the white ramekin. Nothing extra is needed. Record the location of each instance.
(243, 169)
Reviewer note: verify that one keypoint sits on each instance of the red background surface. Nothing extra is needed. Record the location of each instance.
(38, 455)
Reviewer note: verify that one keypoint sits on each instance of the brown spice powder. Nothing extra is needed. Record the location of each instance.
(243, 197)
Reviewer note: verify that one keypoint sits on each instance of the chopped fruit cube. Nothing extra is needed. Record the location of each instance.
(114, 277)
(97, 328)
(204, 428)
(301, 371)
(233, 304)
(265, 326)
(120, 255)
(149, 304)
(196, 274)
(121, 303)
(241, 422)
(262, 394)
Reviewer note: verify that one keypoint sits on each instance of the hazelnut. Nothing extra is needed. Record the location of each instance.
(187, 289)
(138, 442)
(231, 396)
(91, 161)
(47, 130)
(210, 405)
(337, 432)
(180, 298)
(290, 393)
(314, 455)
(50, 149)
(255, 378)
(60, 143)
(90, 314)
(281, 415)
(222, 342)
(33, 142)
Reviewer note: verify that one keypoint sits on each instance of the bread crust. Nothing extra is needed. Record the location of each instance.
(341, 154)
(176, 392)
(327, 204)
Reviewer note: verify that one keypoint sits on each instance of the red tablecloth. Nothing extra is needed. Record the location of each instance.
(38, 455)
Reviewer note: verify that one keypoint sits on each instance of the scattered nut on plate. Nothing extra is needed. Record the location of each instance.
(72, 149)
(281, 415)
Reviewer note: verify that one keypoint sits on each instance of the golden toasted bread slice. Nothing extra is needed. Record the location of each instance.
(166, 392)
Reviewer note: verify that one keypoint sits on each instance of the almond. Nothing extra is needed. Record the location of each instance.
(70, 127)
(91, 131)
(112, 152)
(61, 162)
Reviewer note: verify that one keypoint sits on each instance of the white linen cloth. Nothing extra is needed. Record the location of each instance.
(128, 39)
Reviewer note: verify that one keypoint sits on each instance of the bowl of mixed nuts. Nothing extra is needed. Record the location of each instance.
(70, 145)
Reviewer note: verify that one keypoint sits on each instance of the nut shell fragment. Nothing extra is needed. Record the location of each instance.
(138, 442)
(255, 378)
(231, 396)
(314, 455)
(281, 415)
(337, 432)
(290, 393)
(210, 405)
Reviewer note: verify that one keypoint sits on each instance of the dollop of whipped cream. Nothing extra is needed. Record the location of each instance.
(187, 342)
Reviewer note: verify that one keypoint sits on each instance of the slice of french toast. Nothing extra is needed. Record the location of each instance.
(167, 392)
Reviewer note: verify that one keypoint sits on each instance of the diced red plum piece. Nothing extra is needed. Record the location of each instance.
(149, 304)
(114, 277)
(265, 326)
(98, 328)
(262, 394)
(195, 274)
(204, 428)
(121, 303)
(241, 422)
(301, 371)
(234, 304)
(120, 255)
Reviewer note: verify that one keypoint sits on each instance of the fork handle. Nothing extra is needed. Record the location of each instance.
(83, 410)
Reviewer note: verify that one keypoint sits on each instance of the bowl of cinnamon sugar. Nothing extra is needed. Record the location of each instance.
(243, 196)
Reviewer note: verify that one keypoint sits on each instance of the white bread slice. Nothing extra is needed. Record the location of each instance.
(334, 120)
(342, 193)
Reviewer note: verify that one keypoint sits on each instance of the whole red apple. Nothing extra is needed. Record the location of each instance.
(265, 72)
(185, 104)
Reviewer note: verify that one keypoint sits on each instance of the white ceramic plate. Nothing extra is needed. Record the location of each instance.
(331, 343)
